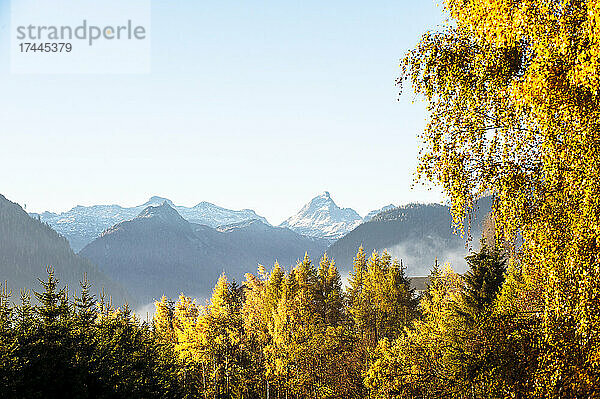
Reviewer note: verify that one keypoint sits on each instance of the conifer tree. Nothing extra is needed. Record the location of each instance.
(359, 267)
(386, 301)
(52, 371)
(329, 292)
(163, 320)
(25, 338)
(84, 334)
(484, 278)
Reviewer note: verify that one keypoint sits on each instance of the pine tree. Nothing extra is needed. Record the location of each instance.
(84, 333)
(85, 304)
(52, 371)
(484, 278)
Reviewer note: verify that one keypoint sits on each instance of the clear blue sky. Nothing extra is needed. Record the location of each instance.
(250, 104)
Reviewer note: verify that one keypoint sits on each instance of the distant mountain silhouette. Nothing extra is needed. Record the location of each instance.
(82, 224)
(376, 212)
(28, 246)
(159, 252)
(415, 233)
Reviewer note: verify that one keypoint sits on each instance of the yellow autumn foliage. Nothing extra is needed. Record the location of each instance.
(513, 91)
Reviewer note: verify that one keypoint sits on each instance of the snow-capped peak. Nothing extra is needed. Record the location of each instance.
(323, 218)
(213, 215)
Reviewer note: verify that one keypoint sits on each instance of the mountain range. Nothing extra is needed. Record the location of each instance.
(159, 248)
(159, 252)
(320, 218)
(82, 224)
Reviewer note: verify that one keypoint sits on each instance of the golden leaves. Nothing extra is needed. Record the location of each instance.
(515, 112)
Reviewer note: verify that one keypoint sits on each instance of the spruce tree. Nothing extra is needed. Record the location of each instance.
(483, 280)
(52, 370)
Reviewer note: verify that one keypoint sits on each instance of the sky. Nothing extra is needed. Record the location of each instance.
(259, 105)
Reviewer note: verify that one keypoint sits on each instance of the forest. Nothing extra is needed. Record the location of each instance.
(288, 335)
